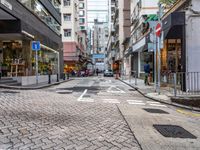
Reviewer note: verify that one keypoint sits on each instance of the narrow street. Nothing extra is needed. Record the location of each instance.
(84, 114)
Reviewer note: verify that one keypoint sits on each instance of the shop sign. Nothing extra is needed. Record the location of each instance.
(6, 4)
(35, 45)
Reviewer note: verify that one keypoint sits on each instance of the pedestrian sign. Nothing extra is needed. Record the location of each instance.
(35, 45)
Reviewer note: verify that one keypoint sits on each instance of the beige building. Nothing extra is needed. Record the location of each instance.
(74, 35)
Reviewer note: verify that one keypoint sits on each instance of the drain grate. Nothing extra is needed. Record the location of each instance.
(158, 111)
(173, 131)
(64, 92)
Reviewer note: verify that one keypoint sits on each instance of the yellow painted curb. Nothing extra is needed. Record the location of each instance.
(188, 113)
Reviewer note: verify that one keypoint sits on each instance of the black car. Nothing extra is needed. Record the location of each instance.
(108, 73)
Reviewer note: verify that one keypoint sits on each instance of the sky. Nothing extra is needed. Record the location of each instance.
(97, 9)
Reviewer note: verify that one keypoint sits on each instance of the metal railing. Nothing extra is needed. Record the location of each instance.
(182, 83)
(133, 75)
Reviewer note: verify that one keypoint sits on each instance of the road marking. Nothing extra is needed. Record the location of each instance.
(132, 103)
(157, 105)
(150, 102)
(188, 113)
(79, 99)
(86, 100)
(119, 90)
(135, 101)
(111, 101)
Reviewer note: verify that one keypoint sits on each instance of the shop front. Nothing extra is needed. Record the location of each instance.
(173, 58)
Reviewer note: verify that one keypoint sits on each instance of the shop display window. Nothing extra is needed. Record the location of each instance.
(47, 61)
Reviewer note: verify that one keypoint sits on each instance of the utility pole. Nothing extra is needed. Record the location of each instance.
(160, 13)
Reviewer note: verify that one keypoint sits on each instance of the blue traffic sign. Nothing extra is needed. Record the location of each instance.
(36, 45)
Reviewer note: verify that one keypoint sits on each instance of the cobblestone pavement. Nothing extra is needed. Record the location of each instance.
(53, 119)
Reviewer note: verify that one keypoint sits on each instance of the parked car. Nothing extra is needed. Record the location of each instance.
(108, 73)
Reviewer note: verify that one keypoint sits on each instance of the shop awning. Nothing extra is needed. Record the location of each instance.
(139, 46)
(172, 25)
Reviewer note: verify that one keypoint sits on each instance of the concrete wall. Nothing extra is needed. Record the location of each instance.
(30, 80)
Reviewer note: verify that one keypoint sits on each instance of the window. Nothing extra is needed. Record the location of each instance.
(66, 2)
(81, 5)
(67, 32)
(82, 28)
(67, 17)
(81, 13)
(81, 20)
(40, 11)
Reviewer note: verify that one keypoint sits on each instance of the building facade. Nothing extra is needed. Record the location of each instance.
(74, 32)
(100, 38)
(143, 20)
(22, 22)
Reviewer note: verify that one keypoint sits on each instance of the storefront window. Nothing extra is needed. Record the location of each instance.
(46, 59)
(37, 8)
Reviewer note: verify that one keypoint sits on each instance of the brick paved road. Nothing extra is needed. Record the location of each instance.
(45, 119)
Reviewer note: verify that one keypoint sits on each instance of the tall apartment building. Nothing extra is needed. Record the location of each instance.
(74, 35)
(110, 54)
(24, 21)
(120, 33)
(100, 38)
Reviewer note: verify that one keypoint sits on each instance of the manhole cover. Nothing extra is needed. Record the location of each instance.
(173, 131)
(10, 92)
(64, 91)
(158, 111)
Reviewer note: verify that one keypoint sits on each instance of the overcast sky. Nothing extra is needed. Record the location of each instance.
(97, 9)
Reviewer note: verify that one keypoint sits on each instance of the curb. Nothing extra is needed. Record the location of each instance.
(172, 104)
(32, 88)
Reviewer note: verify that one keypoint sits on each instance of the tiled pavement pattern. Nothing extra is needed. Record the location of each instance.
(44, 119)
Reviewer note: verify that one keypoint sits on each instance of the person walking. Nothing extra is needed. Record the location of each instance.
(147, 73)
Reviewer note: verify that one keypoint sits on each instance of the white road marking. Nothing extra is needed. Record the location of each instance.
(119, 90)
(132, 103)
(86, 100)
(150, 102)
(111, 101)
(79, 99)
(158, 105)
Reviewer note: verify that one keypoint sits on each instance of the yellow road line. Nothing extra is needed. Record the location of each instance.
(188, 113)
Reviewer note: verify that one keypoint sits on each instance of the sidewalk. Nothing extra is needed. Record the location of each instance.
(149, 92)
(33, 87)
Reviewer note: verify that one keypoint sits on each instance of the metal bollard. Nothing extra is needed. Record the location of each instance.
(49, 77)
(67, 75)
(175, 88)
(57, 78)
(63, 76)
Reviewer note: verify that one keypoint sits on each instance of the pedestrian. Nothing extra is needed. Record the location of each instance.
(147, 73)
(97, 71)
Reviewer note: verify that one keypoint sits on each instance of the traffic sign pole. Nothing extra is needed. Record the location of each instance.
(36, 48)
(36, 65)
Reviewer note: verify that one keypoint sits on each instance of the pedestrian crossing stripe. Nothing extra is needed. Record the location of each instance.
(86, 100)
(111, 101)
(158, 105)
(132, 103)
